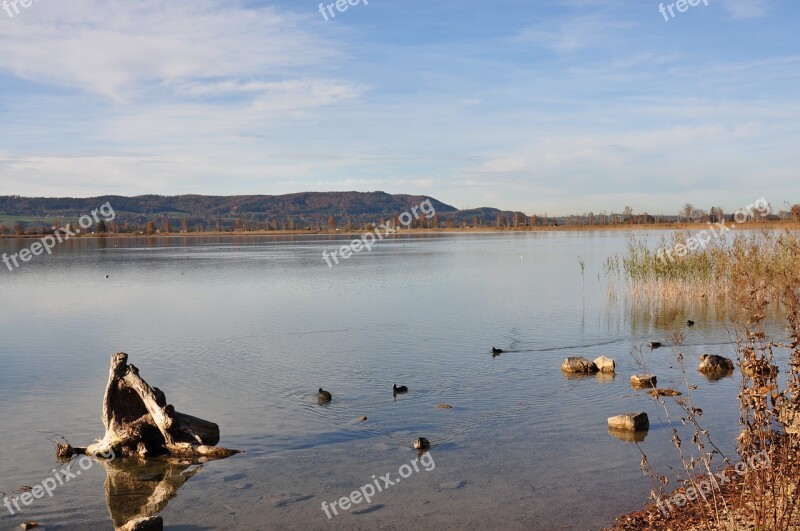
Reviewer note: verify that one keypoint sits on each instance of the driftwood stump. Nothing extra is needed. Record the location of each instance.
(140, 423)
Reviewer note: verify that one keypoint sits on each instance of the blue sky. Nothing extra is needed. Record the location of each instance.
(545, 106)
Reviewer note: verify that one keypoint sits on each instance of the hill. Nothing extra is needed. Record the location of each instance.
(306, 210)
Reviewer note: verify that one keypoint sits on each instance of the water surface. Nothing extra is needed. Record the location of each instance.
(244, 330)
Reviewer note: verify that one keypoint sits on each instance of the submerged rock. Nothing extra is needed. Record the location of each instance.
(606, 365)
(711, 363)
(663, 392)
(579, 366)
(629, 422)
(643, 380)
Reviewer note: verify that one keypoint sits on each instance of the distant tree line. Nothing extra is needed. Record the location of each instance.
(347, 211)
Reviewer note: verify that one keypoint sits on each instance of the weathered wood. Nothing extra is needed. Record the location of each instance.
(139, 421)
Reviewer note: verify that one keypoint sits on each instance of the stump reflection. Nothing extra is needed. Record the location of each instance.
(138, 488)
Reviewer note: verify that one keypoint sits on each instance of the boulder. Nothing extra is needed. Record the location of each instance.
(711, 363)
(606, 365)
(629, 422)
(643, 380)
(579, 366)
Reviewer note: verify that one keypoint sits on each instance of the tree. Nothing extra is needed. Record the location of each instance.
(150, 228)
(796, 212)
(627, 212)
(687, 210)
(332, 223)
(19, 228)
(165, 225)
(101, 227)
(3, 230)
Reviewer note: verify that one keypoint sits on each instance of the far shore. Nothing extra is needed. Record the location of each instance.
(750, 225)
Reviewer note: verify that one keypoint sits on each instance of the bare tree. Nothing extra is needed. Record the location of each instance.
(687, 211)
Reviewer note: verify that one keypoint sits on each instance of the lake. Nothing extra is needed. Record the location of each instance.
(243, 330)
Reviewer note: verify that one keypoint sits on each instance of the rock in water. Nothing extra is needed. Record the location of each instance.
(579, 366)
(606, 365)
(663, 392)
(643, 380)
(711, 363)
(629, 422)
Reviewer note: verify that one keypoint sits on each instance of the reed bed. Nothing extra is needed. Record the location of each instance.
(707, 272)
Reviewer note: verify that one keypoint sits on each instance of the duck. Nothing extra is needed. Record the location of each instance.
(422, 444)
(655, 344)
(689, 323)
(399, 389)
(496, 351)
(324, 396)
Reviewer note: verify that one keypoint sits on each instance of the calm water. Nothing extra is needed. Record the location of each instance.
(242, 331)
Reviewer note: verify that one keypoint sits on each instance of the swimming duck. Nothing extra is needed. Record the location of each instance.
(399, 389)
(689, 323)
(422, 444)
(323, 396)
(496, 351)
(655, 344)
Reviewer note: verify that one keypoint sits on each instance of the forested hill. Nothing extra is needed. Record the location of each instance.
(200, 206)
(314, 210)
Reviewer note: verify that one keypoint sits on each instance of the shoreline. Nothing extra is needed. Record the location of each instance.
(731, 500)
(751, 225)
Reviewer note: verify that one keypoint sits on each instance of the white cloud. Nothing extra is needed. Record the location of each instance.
(122, 49)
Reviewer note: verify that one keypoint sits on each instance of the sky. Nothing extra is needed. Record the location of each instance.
(543, 106)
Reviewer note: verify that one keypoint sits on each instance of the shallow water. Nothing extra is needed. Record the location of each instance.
(243, 330)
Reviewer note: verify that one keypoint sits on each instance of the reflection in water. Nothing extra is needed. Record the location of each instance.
(717, 376)
(628, 436)
(142, 487)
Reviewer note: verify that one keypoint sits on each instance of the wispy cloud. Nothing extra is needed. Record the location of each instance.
(744, 9)
(122, 50)
(576, 34)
